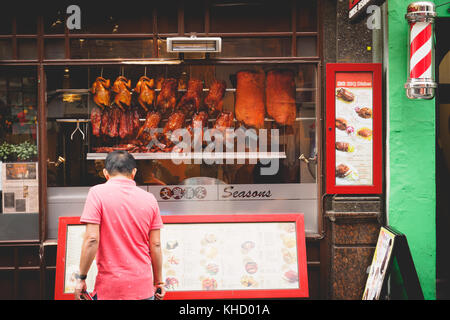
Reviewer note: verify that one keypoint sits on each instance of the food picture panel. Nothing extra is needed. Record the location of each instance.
(233, 259)
(354, 133)
(354, 126)
(70, 239)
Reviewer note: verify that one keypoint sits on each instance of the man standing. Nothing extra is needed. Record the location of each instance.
(123, 230)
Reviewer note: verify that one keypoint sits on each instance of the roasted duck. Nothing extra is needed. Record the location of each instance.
(167, 98)
(102, 95)
(199, 121)
(147, 132)
(159, 82)
(249, 105)
(224, 120)
(122, 88)
(214, 100)
(190, 102)
(175, 121)
(145, 89)
(96, 121)
(280, 96)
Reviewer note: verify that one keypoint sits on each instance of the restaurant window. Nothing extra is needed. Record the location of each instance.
(19, 219)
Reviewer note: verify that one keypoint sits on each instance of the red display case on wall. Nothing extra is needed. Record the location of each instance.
(354, 151)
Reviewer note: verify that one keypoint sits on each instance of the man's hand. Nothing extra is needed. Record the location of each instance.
(79, 288)
(160, 296)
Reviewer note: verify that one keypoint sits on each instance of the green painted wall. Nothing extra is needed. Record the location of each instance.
(411, 196)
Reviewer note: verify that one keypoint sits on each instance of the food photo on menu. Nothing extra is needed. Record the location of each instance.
(230, 256)
(353, 133)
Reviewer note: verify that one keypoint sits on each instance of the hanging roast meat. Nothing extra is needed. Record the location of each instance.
(249, 105)
(175, 121)
(145, 89)
(199, 121)
(147, 132)
(100, 89)
(224, 121)
(167, 98)
(190, 102)
(214, 100)
(104, 127)
(280, 96)
(96, 121)
(114, 122)
(122, 88)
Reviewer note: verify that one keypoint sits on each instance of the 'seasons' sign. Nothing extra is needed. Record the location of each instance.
(358, 8)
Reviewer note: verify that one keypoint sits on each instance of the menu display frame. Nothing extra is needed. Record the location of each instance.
(301, 291)
(374, 165)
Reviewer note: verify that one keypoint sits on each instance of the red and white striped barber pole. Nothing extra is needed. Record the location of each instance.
(421, 84)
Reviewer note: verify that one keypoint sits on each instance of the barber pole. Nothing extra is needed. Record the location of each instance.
(421, 84)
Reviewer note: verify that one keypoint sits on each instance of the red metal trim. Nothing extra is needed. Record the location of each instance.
(302, 291)
(376, 187)
(244, 294)
(61, 257)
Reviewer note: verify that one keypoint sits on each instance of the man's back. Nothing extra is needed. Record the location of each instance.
(126, 215)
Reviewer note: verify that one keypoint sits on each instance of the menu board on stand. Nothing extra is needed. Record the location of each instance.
(211, 256)
(354, 129)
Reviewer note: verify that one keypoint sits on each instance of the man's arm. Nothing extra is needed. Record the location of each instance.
(88, 251)
(156, 255)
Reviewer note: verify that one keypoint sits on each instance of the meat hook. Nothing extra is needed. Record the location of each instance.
(77, 129)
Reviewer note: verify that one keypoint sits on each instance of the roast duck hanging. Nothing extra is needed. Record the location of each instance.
(122, 89)
(146, 92)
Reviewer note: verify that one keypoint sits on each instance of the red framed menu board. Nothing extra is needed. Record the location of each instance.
(213, 256)
(354, 128)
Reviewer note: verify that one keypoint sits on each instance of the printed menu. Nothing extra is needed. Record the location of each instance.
(75, 235)
(354, 125)
(230, 256)
(380, 262)
(20, 186)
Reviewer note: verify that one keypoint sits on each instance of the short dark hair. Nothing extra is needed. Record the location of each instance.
(120, 162)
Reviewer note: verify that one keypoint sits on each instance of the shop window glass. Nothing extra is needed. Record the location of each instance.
(55, 19)
(19, 219)
(5, 23)
(167, 17)
(77, 155)
(251, 16)
(255, 47)
(26, 22)
(116, 18)
(306, 16)
(27, 49)
(306, 47)
(194, 17)
(54, 48)
(5, 49)
(111, 48)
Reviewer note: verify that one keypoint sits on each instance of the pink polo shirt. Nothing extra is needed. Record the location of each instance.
(126, 214)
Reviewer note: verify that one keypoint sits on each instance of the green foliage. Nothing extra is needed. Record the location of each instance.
(17, 152)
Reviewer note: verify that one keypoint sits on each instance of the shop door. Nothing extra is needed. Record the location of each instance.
(443, 159)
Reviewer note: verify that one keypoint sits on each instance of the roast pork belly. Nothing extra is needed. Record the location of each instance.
(214, 100)
(102, 95)
(96, 120)
(280, 96)
(249, 106)
(190, 102)
(146, 92)
(122, 88)
(167, 98)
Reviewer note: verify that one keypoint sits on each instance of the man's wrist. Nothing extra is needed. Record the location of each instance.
(158, 283)
(80, 276)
